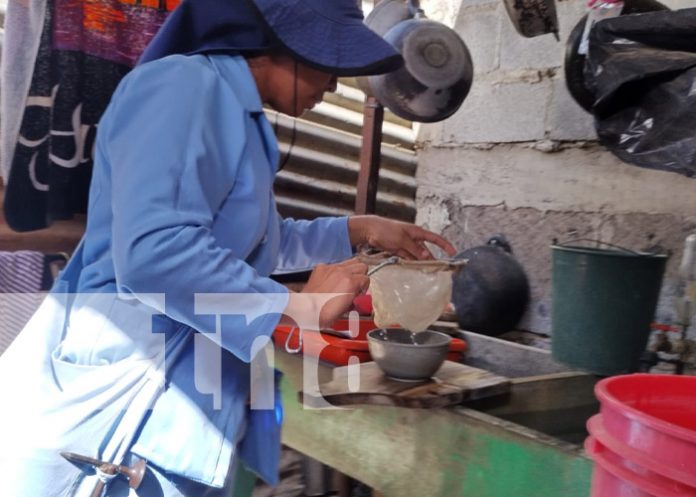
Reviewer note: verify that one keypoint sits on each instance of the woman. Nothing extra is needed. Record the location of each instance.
(130, 357)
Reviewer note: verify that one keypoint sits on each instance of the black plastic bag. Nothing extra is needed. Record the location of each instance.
(642, 70)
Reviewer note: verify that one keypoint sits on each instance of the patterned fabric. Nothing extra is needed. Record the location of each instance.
(82, 55)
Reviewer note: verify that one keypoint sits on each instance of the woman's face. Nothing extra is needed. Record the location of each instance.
(293, 88)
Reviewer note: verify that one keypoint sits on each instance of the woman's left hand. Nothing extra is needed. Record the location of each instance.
(403, 239)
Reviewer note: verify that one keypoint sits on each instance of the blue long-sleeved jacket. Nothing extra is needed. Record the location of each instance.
(181, 203)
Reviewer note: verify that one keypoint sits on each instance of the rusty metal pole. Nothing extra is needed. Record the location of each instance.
(370, 153)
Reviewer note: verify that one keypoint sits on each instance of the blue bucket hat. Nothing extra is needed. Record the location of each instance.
(328, 35)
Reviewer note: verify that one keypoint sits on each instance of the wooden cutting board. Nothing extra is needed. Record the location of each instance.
(453, 384)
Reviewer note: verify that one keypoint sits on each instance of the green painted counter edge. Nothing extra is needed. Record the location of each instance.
(432, 452)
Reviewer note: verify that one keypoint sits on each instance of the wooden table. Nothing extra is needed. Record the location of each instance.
(456, 451)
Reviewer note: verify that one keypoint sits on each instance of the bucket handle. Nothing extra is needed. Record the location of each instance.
(554, 241)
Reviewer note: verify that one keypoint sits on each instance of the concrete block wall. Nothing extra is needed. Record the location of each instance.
(518, 90)
(521, 157)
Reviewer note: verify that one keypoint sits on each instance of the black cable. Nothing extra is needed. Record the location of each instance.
(293, 136)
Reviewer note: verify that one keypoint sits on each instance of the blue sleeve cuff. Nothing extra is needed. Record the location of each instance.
(304, 244)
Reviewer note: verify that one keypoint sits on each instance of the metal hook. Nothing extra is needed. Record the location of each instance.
(289, 349)
(386, 262)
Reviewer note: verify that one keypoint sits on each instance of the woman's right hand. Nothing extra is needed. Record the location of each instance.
(346, 279)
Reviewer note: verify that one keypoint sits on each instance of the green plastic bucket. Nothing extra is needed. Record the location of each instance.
(603, 302)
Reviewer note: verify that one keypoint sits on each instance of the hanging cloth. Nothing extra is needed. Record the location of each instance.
(78, 58)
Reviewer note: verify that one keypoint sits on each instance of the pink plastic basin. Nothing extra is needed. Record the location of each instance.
(640, 462)
(655, 417)
(615, 476)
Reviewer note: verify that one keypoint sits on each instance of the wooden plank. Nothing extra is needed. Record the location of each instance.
(445, 452)
(61, 237)
(452, 384)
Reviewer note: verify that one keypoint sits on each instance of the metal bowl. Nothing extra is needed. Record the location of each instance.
(407, 356)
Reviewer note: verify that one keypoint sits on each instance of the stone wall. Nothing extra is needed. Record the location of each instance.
(520, 157)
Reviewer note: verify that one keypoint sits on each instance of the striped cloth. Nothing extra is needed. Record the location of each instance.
(21, 275)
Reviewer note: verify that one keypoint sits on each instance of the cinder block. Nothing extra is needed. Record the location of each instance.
(481, 33)
(569, 14)
(458, 6)
(518, 52)
(567, 120)
(427, 133)
(500, 112)
(678, 4)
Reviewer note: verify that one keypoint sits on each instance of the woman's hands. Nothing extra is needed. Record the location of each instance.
(347, 279)
(403, 239)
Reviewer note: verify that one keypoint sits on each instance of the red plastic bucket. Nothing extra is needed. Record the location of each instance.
(644, 436)
(639, 457)
(615, 476)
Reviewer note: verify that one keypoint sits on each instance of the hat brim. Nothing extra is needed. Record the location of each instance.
(342, 48)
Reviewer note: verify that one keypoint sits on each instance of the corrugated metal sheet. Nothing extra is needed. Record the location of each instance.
(321, 172)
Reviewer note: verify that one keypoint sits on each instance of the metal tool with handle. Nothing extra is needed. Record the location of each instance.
(134, 473)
